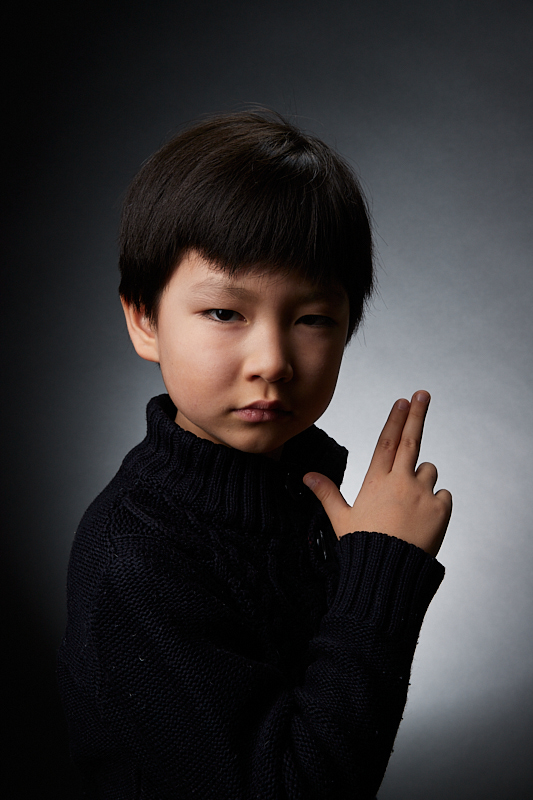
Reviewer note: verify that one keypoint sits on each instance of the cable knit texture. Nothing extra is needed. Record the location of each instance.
(220, 642)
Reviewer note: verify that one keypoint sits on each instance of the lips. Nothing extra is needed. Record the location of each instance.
(263, 411)
(267, 405)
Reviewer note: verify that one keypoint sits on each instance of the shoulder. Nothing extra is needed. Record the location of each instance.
(128, 534)
(129, 514)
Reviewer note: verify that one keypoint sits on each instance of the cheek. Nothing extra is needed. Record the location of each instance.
(322, 370)
(215, 362)
(323, 362)
(197, 366)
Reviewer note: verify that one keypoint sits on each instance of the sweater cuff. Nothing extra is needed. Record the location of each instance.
(384, 581)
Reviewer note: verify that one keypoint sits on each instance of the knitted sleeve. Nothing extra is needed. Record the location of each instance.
(201, 717)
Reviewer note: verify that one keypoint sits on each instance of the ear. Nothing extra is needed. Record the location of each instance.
(143, 333)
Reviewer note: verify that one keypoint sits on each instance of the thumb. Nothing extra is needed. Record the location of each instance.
(332, 500)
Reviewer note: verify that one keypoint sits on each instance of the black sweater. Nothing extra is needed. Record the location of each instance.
(220, 642)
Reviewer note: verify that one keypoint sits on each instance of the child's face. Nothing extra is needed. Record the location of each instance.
(248, 361)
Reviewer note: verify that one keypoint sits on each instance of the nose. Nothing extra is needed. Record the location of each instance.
(269, 357)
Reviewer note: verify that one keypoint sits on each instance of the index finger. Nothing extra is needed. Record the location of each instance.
(389, 439)
(409, 446)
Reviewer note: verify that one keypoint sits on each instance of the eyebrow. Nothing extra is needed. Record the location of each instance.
(210, 287)
(241, 293)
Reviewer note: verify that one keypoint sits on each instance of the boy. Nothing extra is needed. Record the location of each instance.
(231, 633)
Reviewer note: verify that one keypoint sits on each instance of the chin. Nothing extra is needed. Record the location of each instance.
(259, 449)
(268, 446)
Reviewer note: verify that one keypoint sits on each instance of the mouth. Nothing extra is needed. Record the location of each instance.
(263, 411)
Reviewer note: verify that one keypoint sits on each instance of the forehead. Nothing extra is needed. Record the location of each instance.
(204, 279)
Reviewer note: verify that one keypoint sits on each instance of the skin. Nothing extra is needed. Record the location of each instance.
(252, 360)
(224, 343)
(396, 497)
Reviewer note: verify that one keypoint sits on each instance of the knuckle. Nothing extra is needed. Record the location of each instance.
(325, 493)
(442, 510)
(387, 444)
(409, 443)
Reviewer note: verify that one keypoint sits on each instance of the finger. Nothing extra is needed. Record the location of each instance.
(389, 438)
(409, 446)
(446, 498)
(427, 473)
(332, 500)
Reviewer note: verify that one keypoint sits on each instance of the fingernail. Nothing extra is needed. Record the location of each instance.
(402, 405)
(309, 481)
(422, 397)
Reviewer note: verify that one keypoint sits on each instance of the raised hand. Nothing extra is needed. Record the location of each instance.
(396, 498)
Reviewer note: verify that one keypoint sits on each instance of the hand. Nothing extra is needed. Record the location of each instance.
(395, 498)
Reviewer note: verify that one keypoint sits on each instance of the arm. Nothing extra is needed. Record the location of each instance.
(182, 691)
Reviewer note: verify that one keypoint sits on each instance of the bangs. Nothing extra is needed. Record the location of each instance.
(288, 219)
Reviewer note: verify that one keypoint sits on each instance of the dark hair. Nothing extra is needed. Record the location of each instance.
(246, 190)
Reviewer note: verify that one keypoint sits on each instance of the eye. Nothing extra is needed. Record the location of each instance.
(223, 315)
(317, 321)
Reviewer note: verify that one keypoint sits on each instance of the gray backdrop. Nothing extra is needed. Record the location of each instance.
(432, 103)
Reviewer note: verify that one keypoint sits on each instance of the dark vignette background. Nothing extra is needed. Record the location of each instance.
(433, 104)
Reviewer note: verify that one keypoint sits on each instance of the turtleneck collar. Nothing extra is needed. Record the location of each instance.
(224, 484)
